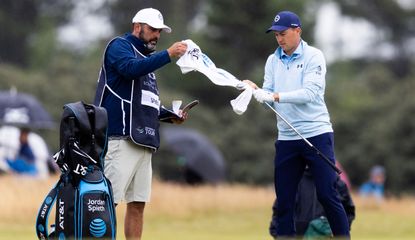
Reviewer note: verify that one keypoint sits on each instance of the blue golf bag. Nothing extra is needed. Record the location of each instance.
(83, 195)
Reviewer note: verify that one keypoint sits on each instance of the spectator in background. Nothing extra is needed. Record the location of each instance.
(23, 152)
(375, 186)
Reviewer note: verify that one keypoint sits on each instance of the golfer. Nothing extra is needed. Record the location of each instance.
(127, 89)
(294, 84)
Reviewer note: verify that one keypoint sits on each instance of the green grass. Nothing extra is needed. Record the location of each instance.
(241, 225)
(203, 213)
(384, 224)
(244, 225)
(21, 231)
(391, 220)
(253, 224)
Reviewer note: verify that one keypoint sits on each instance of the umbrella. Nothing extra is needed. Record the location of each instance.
(199, 153)
(23, 110)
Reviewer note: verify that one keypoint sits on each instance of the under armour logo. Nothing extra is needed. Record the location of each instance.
(318, 72)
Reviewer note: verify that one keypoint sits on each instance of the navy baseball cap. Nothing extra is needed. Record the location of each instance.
(284, 20)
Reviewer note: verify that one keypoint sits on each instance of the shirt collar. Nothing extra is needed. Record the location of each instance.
(298, 51)
(137, 43)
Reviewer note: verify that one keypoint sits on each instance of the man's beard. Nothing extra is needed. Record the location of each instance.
(149, 45)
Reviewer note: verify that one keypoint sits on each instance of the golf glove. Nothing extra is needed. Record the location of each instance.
(263, 96)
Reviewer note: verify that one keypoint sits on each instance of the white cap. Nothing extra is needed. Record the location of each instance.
(151, 17)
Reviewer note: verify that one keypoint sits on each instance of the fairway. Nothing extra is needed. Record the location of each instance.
(227, 212)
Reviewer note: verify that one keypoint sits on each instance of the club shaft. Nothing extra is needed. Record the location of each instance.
(305, 140)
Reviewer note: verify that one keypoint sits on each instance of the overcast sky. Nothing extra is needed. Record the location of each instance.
(85, 26)
(342, 37)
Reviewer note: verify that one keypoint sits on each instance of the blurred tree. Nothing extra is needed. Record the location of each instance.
(22, 20)
(393, 18)
(18, 27)
(372, 118)
(372, 115)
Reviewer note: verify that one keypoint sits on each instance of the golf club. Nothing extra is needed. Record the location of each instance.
(306, 141)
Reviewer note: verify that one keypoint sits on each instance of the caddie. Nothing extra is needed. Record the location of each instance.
(127, 89)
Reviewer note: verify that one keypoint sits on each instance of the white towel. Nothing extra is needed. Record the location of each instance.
(240, 104)
(195, 60)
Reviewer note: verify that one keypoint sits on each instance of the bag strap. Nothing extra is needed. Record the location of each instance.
(81, 115)
(44, 211)
(100, 130)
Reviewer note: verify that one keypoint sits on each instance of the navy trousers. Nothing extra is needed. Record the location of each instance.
(290, 161)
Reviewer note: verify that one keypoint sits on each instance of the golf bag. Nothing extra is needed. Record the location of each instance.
(310, 218)
(83, 195)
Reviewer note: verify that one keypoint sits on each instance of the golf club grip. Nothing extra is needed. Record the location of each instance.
(327, 160)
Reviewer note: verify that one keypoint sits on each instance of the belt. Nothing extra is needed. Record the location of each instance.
(119, 138)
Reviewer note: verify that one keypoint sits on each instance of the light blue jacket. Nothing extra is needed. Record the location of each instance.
(300, 81)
